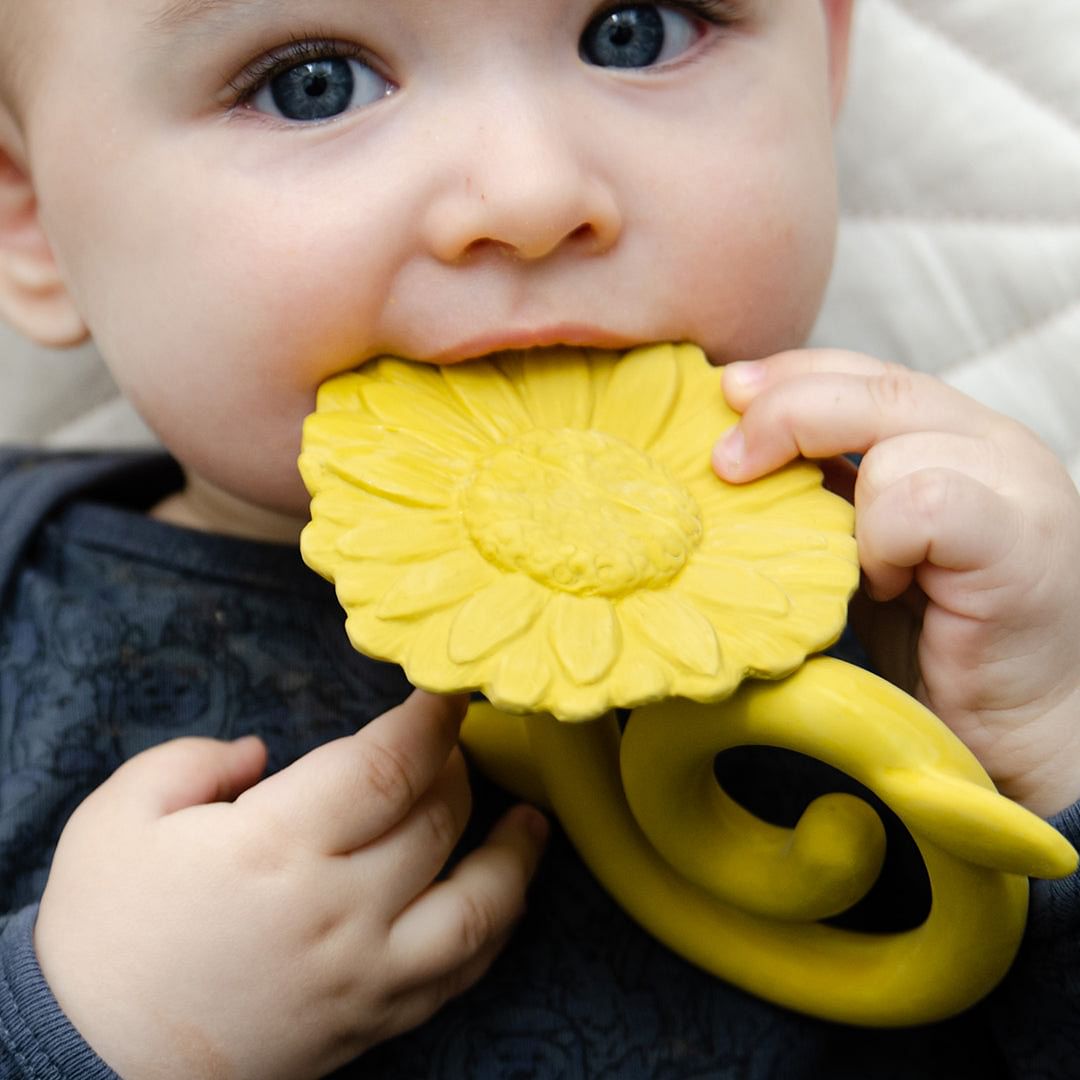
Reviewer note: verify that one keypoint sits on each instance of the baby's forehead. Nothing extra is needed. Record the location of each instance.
(174, 16)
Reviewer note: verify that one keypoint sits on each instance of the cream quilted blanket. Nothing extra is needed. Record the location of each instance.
(959, 247)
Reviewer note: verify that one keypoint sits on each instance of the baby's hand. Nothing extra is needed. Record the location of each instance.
(967, 526)
(285, 932)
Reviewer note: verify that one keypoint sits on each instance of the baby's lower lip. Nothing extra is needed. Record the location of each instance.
(565, 336)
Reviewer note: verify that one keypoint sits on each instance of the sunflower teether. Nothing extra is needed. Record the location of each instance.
(545, 527)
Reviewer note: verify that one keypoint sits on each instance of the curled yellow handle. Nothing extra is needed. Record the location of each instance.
(740, 898)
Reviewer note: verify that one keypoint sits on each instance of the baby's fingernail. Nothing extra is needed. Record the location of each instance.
(729, 451)
(746, 374)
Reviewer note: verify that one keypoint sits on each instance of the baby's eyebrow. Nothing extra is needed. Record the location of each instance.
(183, 14)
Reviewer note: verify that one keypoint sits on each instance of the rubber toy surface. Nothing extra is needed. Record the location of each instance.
(545, 528)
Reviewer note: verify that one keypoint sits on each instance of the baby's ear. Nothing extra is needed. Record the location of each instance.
(838, 14)
(33, 296)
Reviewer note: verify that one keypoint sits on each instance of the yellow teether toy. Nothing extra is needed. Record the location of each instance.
(545, 527)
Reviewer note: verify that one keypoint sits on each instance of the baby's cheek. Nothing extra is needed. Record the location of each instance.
(753, 261)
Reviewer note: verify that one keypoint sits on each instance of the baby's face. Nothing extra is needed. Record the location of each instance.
(249, 196)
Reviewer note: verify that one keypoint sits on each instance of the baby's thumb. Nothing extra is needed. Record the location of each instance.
(190, 772)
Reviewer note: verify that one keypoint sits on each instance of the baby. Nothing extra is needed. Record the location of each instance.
(237, 199)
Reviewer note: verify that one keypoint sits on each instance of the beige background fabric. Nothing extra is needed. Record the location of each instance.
(959, 248)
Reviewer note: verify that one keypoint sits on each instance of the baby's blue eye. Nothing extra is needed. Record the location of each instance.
(320, 89)
(637, 36)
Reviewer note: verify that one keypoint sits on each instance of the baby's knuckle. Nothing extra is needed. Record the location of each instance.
(383, 772)
(894, 388)
(929, 493)
(442, 824)
(479, 921)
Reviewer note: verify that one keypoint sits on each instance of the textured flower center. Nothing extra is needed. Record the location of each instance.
(580, 511)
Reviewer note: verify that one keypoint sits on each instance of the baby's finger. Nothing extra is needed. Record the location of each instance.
(407, 859)
(744, 380)
(459, 919)
(414, 1006)
(889, 462)
(937, 516)
(183, 773)
(829, 414)
(350, 791)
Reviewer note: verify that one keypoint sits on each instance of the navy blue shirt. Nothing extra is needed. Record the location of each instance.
(118, 632)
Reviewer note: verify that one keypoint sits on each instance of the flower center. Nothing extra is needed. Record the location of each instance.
(580, 511)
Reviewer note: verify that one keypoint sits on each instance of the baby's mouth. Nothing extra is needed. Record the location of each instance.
(566, 335)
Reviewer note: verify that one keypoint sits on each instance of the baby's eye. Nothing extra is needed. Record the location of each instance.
(320, 88)
(638, 36)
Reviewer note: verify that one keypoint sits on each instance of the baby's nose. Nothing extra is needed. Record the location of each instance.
(526, 189)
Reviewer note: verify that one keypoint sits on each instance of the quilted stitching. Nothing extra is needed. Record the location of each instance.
(1034, 49)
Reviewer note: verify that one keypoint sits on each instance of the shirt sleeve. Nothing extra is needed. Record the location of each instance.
(1037, 1008)
(37, 1041)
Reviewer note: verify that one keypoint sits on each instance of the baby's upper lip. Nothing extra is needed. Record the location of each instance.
(579, 335)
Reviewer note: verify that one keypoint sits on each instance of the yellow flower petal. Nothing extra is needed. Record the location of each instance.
(557, 387)
(639, 676)
(769, 649)
(777, 490)
(699, 416)
(753, 540)
(374, 438)
(341, 394)
(525, 673)
(584, 633)
(435, 584)
(360, 583)
(650, 374)
(329, 431)
(814, 571)
(495, 615)
(415, 378)
(689, 458)
(378, 638)
(579, 703)
(426, 658)
(406, 536)
(420, 411)
(318, 547)
(336, 433)
(734, 585)
(411, 382)
(419, 646)
(675, 628)
(415, 479)
(489, 398)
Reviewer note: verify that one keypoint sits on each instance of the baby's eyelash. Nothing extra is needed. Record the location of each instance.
(718, 12)
(300, 50)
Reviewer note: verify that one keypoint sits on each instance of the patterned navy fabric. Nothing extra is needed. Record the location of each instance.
(119, 632)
